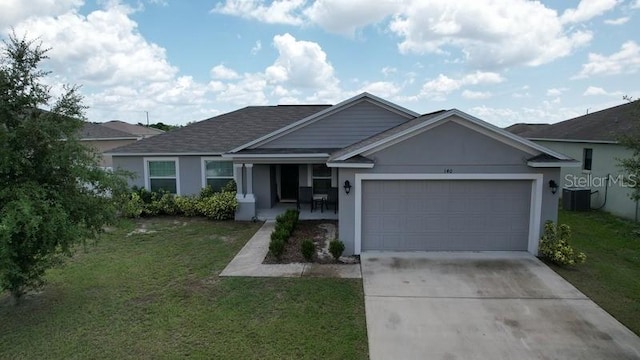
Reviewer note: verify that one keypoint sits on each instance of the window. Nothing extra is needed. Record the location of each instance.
(217, 174)
(587, 158)
(163, 175)
(321, 179)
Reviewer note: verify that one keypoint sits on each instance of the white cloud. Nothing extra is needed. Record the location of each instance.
(556, 91)
(222, 72)
(587, 10)
(383, 89)
(388, 70)
(476, 95)
(301, 64)
(14, 11)
(522, 32)
(102, 48)
(277, 12)
(249, 90)
(344, 17)
(625, 61)
(544, 113)
(636, 4)
(437, 89)
(618, 21)
(598, 91)
(256, 48)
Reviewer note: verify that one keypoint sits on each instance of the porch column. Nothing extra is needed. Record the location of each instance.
(249, 174)
(237, 176)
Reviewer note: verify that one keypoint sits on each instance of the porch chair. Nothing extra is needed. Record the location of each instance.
(332, 199)
(305, 196)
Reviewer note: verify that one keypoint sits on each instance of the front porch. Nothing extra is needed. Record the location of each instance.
(305, 212)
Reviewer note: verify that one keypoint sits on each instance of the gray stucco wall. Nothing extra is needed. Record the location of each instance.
(132, 164)
(341, 129)
(604, 163)
(449, 146)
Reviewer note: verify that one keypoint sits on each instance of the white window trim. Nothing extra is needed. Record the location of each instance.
(203, 170)
(535, 211)
(147, 179)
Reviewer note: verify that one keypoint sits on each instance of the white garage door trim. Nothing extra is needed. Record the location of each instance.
(534, 213)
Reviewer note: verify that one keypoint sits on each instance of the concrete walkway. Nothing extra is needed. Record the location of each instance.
(248, 262)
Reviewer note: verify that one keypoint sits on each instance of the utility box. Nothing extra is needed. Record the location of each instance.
(576, 199)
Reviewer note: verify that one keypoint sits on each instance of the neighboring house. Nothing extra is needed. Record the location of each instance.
(107, 136)
(593, 139)
(441, 181)
(139, 130)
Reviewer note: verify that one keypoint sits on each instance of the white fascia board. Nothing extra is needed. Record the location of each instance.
(326, 112)
(109, 139)
(577, 141)
(350, 165)
(552, 164)
(275, 156)
(162, 154)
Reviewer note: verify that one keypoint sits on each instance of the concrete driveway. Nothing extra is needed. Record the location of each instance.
(483, 306)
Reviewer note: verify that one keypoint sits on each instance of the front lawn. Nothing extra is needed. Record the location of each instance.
(156, 294)
(611, 275)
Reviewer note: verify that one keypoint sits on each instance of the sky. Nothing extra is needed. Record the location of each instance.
(178, 61)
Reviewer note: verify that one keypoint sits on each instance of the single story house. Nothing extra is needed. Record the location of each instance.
(594, 139)
(103, 137)
(443, 181)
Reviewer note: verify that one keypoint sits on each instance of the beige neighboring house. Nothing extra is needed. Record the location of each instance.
(592, 139)
(108, 136)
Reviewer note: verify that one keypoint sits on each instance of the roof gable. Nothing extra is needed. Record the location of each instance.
(364, 97)
(606, 125)
(91, 131)
(132, 128)
(429, 121)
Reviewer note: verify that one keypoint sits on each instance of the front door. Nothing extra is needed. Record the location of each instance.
(288, 182)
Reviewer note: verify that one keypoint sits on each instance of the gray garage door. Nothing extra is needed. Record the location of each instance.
(457, 215)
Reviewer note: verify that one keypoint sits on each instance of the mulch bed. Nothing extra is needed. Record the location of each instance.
(306, 229)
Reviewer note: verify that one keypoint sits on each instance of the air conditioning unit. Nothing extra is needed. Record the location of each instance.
(576, 199)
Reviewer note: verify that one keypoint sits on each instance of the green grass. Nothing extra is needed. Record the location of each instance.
(158, 295)
(611, 275)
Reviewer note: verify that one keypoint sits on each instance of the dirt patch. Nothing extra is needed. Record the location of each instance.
(321, 232)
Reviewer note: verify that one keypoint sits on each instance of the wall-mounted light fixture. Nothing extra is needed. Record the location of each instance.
(554, 186)
(347, 187)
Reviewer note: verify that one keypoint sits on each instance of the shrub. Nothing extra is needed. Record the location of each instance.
(187, 205)
(133, 206)
(144, 194)
(167, 204)
(219, 206)
(554, 245)
(230, 187)
(206, 192)
(153, 206)
(308, 249)
(292, 216)
(336, 248)
(276, 248)
(285, 227)
(281, 234)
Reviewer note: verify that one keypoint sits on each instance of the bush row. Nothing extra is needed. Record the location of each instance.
(214, 205)
(285, 224)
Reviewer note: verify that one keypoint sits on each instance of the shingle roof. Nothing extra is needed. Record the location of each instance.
(522, 129)
(91, 131)
(224, 132)
(131, 128)
(604, 125)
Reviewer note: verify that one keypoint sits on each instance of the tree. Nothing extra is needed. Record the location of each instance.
(631, 140)
(53, 195)
(161, 126)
